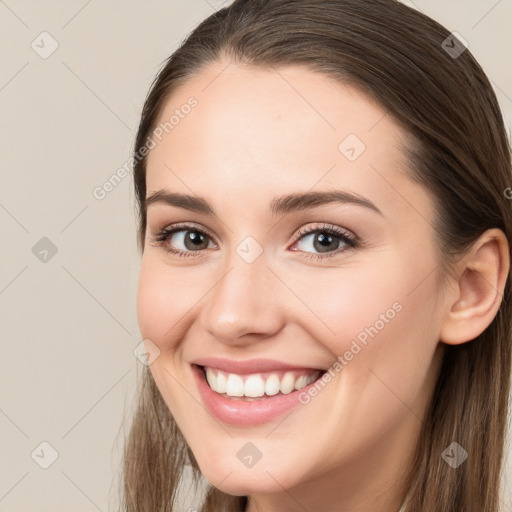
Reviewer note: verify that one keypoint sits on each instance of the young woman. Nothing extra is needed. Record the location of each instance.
(324, 285)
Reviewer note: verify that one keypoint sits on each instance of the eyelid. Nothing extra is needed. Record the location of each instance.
(331, 228)
(190, 226)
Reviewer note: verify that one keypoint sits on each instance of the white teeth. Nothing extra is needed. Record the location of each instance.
(221, 383)
(255, 385)
(220, 380)
(272, 385)
(301, 382)
(288, 383)
(235, 385)
(210, 376)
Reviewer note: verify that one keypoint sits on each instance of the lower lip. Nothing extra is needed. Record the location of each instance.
(243, 412)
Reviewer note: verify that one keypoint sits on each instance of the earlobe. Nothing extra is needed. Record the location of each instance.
(482, 275)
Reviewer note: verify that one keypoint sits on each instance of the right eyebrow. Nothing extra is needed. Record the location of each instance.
(188, 202)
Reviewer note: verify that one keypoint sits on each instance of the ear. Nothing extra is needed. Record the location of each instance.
(480, 277)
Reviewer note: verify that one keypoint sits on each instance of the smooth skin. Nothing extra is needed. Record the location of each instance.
(257, 134)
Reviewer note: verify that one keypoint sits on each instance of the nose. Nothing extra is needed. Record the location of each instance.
(245, 304)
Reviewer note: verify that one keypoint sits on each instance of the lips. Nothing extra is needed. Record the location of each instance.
(244, 410)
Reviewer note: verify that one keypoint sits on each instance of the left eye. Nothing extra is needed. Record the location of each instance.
(322, 241)
(325, 240)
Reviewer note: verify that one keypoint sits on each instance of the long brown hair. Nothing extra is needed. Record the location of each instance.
(458, 150)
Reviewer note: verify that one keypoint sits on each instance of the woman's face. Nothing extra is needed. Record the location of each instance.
(271, 289)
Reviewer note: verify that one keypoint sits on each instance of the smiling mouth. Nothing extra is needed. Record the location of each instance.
(258, 386)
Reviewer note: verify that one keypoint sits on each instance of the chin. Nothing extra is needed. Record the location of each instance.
(241, 481)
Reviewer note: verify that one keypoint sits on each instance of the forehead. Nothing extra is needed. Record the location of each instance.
(256, 132)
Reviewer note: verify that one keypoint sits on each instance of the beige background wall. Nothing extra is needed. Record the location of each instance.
(68, 319)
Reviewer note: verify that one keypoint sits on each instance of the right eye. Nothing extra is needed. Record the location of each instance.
(188, 236)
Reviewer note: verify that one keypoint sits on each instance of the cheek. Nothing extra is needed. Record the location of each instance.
(163, 313)
(393, 332)
(377, 319)
(348, 304)
(162, 304)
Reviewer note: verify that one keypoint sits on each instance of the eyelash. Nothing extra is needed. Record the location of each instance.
(351, 241)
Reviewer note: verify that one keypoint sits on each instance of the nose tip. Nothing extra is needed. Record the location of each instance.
(242, 306)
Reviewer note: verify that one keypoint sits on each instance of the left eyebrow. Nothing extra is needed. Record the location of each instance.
(303, 201)
(280, 205)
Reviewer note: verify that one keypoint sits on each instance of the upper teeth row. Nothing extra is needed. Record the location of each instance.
(256, 385)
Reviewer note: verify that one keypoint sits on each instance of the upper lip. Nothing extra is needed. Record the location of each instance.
(249, 366)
